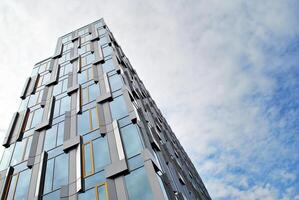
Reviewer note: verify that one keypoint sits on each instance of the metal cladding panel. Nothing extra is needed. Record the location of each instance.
(10, 130)
(25, 88)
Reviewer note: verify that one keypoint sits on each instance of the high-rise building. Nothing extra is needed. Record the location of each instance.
(88, 129)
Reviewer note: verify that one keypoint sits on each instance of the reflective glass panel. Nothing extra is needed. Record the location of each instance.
(131, 140)
(23, 185)
(138, 185)
(118, 108)
(88, 159)
(61, 171)
(101, 153)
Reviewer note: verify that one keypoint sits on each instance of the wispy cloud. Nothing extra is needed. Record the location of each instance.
(225, 73)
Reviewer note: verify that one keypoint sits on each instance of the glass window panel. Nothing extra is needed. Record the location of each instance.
(83, 31)
(85, 95)
(34, 71)
(82, 77)
(83, 123)
(66, 38)
(56, 108)
(6, 157)
(96, 179)
(49, 176)
(33, 100)
(88, 159)
(23, 185)
(87, 195)
(46, 78)
(60, 133)
(29, 142)
(131, 140)
(101, 153)
(115, 82)
(65, 105)
(94, 92)
(68, 68)
(52, 196)
(60, 171)
(118, 108)
(94, 118)
(50, 139)
(107, 51)
(101, 31)
(102, 189)
(108, 66)
(37, 117)
(138, 185)
(103, 40)
(64, 85)
(23, 104)
(42, 68)
(12, 187)
(162, 187)
(57, 88)
(18, 152)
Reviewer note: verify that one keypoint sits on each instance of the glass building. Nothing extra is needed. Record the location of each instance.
(88, 129)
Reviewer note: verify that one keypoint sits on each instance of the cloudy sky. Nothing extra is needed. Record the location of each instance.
(224, 73)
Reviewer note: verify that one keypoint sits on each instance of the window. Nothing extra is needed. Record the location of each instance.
(66, 38)
(107, 50)
(100, 192)
(34, 118)
(88, 59)
(21, 151)
(88, 121)
(90, 93)
(131, 140)
(85, 76)
(83, 49)
(64, 57)
(23, 104)
(115, 82)
(6, 156)
(65, 69)
(83, 31)
(43, 79)
(103, 40)
(56, 173)
(54, 136)
(138, 186)
(61, 106)
(35, 99)
(61, 87)
(43, 67)
(118, 108)
(95, 155)
(108, 66)
(85, 38)
(19, 185)
(68, 46)
(101, 31)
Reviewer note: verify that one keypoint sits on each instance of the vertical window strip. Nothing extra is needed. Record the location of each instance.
(99, 194)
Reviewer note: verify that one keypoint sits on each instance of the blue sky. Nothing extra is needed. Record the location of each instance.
(224, 73)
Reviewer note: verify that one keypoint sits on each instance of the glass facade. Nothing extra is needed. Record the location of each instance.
(86, 119)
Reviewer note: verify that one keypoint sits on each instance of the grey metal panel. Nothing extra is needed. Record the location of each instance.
(5, 186)
(33, 148)
(79, 100)
(44, 97)
(95, 73)
(79, 64)
(41, 175)
(47, 116)
(104, 97)
(64, 192)
(25, 88)
(54, 73)
(70, 80)
(10, 130)
(121, 188)
(99, 58)
(153, 180)
(71, 143)
(73, 89)
(67, 125)
(58, 50)
(116, 168)
(21, 122)
(79, 175)
(117, 137)
(32, 85)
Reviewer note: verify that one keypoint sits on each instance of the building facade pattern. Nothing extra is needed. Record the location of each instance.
(88, 129)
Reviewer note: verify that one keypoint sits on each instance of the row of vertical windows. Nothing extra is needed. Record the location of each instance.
(54, 136)
(100, 192)
(41, 68)
(90, 93)
(88, 121)
(19, 185)
(65, 69)
(61, 106)
(56, 173)
(34, 118)
(21, 151)
(95, 156)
